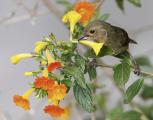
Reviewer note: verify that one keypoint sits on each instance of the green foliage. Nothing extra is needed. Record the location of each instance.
(121, 73)
(118, 114)
(115, 113)
(130, 115)
(65, 3)
(148, 111)
(40, 93)
(77, 74)
(143, 61)
(136, 3)
(80, 62)
(147, 92)
(105, 16)
(92, 72)
(133, 90)
(84, 97)
(120, 4)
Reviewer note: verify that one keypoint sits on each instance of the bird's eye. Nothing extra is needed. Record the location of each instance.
(92, 31)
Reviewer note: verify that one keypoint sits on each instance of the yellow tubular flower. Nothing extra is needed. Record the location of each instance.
(17, 58)
(27, 94)
(66, 114)
(28, 74)
(95, 46)
(50, 59)
(45, 72)
(72, 17)
(40, 45)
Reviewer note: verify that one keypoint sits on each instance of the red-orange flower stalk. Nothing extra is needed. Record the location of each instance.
(54, 66)
(57, 92)
(54, 110)
(23, 101)
(86, 9)
(44, 83)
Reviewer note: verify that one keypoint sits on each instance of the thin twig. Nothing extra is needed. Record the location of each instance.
(22, 18)
(144, 73)
(99, 3)
(52, 8)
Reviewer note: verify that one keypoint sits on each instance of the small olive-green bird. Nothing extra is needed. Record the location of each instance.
(113, 37)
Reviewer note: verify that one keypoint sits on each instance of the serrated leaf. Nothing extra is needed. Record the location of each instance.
(120, 4)
(121, 73)
(137, 3)
(77, 74)
(84, 98)
(147, 92)
(80, 61)
(133, 90)
(104, 17)
(92, 73)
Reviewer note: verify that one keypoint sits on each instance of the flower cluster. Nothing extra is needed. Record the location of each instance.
(53, 79)
(44, 83)
(82, 12)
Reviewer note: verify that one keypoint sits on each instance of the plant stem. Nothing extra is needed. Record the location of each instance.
(143, 73)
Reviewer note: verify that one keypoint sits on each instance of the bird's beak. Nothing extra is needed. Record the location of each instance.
(85, 37)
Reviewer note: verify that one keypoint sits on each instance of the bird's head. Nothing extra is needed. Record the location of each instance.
(94, 35)
(95, 31)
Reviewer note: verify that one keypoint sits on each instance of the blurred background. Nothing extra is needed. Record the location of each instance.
(23, 22)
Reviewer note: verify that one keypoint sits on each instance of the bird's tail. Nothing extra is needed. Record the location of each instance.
(132, 41)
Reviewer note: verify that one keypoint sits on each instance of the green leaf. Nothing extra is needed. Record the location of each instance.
(104, 17)
(120, 4)
(143, 61)
(130, 115)
(68, 83)
(64, 2)
(84, 98)
(115, 113)
(77, 74)
(40, 93)
(148, 111)
(92, 72)
(147, 92)
(125, 56)
(121, 73)
(80, 61)
(137, 3)
(133, 90)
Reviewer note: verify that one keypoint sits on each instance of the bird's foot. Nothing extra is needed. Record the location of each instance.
(137, 70)
(93, 63)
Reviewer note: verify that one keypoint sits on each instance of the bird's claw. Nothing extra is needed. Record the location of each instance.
(93, 63)
(137, 70)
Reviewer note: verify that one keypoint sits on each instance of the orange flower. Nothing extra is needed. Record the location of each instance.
(58, 92)
(54, 66)
(44, 83)
(23, 101)
(54, 110)
(86, 9)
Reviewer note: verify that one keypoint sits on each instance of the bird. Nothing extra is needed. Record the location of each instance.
(111, 36)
